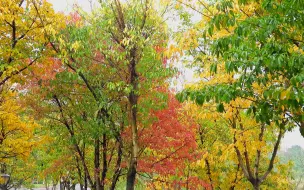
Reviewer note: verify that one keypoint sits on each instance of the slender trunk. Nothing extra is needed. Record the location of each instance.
(79, 173)
(133, 99)
(46, 185)
(131, 174)
(97, 164)
(236, 178)
(73, 187)
(85, 181)
(86, 170)
(104, 161)
(256, 186)
(81, 186)
(68, 185)
(118, 162)
(209, 173)
(85, 174)
(61, 185)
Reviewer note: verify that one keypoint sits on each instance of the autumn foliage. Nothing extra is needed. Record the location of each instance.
(86, 98)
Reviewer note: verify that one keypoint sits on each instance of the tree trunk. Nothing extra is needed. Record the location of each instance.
(79, 173)
(61, 185)
(256, 186)
(118, 162)
(85, 181)
(104, 161)
(131, 174)
(85, 174)
(133, 99)
(97, 164)
(73, 187)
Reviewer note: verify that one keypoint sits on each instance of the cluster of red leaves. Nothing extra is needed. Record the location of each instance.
(61, 162)
(42, 74)
(170, 145)
(73, 18)
(172, 140)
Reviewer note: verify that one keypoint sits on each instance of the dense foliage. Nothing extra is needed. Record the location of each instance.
(87, 98)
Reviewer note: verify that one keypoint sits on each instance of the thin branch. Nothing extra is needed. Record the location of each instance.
(258, 157)
(17, 72)
(273, 156)
(191, 7)
(169, 155)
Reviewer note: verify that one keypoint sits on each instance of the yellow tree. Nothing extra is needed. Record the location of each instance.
(236, 147)
(26, 26)
(16, 132)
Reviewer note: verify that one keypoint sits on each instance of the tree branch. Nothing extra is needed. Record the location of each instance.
(273, 156)
(257, 160)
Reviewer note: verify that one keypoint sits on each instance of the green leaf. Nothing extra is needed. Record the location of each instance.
(220, 107)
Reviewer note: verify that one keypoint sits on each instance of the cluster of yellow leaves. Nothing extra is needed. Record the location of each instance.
(219, 150)
(189, 39)
(220, 155)
(209, 78)
(16, 132)
(26, 27)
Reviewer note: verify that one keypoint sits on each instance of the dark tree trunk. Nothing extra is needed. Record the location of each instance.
(61, 186)
(133, 100)
(85, 174)
(118, 162)
(104, 161)
(85, 181)
(73, 187)
(97, 164)
(79, 173)
(131, 174)
(256, 186)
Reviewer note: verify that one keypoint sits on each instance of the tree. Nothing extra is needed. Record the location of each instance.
(169, 148)
(259, 56)
(26, 26)
(91, 88)
(16, 132)
(238, 142)
(17, 138)
(126, 48)
(137, 28)
(254, 39)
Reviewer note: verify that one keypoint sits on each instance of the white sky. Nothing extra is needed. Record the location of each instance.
(291, 138)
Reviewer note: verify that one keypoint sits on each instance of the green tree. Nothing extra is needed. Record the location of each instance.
(258, 47)
(102, 84)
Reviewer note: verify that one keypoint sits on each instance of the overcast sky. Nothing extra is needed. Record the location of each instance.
(291, 138)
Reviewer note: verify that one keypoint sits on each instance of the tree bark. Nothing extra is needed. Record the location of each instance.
(118, 161)
(97, 164)
(256, 186)
(133, 99)
(209, 173)
(104, 161)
